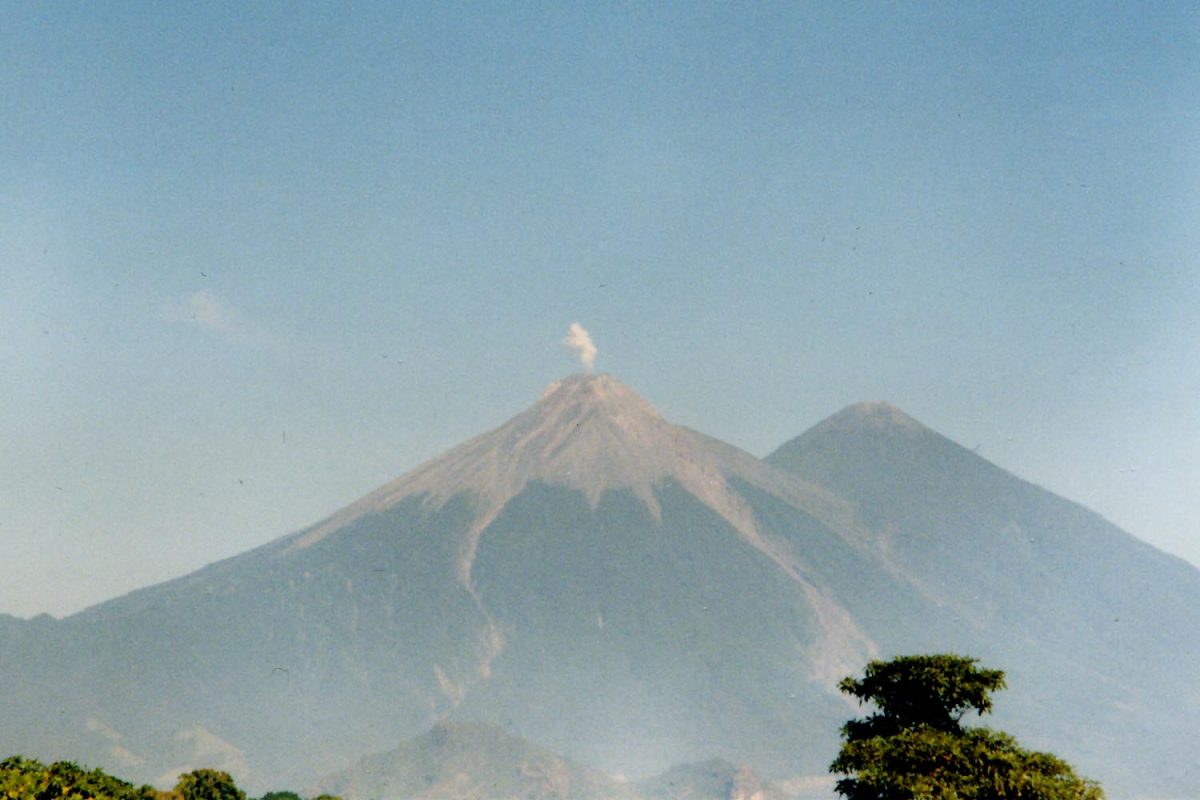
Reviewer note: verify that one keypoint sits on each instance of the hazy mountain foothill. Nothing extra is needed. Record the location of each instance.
(454, 760)
(634, 596)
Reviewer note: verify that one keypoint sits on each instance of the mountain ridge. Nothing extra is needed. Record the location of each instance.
(633, 594)
(589, 432)
(1025, 565)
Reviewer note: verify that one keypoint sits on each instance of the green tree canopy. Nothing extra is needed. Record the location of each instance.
(207, 784)
(28, 779)
(914, 747)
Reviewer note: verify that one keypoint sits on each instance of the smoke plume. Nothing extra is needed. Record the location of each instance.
(579, 339)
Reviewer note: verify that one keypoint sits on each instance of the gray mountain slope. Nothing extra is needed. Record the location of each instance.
(587, 574)
(455, 760)
(1098, 631)
(662, 640)
(629, 593)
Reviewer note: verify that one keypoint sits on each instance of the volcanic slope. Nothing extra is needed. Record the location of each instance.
(638, 611)
(1097, 631)
(619, 589)
(625, 591)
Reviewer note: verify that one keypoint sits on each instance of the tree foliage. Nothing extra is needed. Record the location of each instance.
(27, 779)
(207, 784)
(915, 747)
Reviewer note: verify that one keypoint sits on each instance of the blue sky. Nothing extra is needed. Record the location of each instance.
(255, 261)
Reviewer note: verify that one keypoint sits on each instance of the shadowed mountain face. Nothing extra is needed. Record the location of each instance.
(632, 594)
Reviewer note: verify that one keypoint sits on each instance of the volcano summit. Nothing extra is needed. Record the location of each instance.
(633, 594)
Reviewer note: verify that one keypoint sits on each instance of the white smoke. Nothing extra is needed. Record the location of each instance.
(579, 339)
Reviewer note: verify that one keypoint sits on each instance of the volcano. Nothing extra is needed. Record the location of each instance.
(632, 594)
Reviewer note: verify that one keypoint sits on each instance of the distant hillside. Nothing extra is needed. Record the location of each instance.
(455, 760)
(458, 760)
(715, 779)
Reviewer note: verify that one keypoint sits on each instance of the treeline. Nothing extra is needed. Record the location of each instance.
(27, 779)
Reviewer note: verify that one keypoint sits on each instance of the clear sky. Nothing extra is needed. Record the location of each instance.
(256, 260)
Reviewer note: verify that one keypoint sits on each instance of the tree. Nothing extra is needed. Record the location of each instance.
(915, 747)
(207, 784)
(28, 779)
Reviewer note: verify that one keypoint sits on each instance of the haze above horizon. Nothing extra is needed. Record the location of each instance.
(256, 262)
